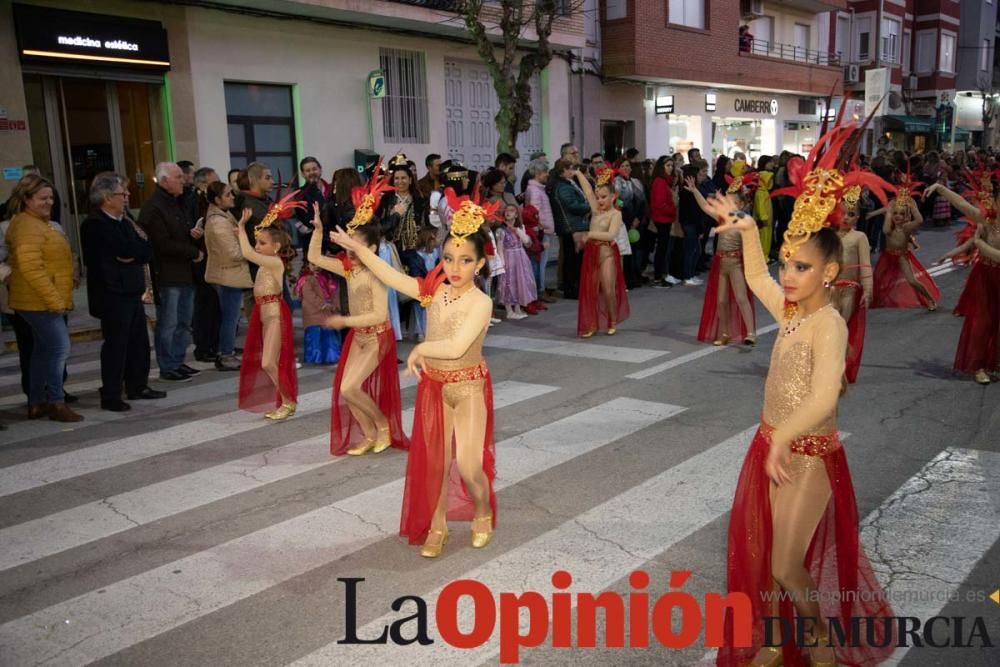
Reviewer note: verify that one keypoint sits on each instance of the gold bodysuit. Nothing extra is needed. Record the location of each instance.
(463, 377)
(807, 365)
(604, 227)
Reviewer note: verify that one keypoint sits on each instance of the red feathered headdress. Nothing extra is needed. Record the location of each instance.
(366, 197)
(280, 210)
(469, 212)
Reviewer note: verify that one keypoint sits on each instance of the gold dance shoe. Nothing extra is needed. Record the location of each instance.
(433, 549)
(481, 538)
(751, 339)
(587, 335)
(768, 656)
(612, 331)
(982, 377)
(281, 414)
(721, 340)
(931, 307)
(383, 442)
(366, 445)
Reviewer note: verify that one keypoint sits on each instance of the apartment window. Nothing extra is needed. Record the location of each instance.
(984, 57)
(864, 41)
(801, 36)
(947, 52)
(890, 40)
(687, 12)
(404, 108)
(905, 55)
(843, 36)
(926, 51)
(261, 127)
(616, 9)
(762, 29)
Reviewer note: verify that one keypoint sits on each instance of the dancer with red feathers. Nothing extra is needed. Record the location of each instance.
(452, 461)
(366, 411)
(852, 293)
(901, 281)
(602, 297)
(267, 371)
(979, 343)
(728, 306)
(794, 521)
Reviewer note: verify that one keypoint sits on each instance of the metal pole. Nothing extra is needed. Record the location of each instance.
(954, 119)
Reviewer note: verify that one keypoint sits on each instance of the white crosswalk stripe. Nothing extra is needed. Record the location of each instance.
(51, 534)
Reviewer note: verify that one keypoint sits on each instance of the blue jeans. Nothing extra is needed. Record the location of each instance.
(692, 249)
(230, 302)
(48, 356)
(173, 326)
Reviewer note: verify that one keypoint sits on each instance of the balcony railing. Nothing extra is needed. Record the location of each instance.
(442, 5)
(759, 47)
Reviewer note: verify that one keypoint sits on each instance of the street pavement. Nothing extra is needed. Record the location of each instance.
(188, 533)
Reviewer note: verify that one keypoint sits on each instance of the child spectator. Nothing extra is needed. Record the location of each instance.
(318, 293)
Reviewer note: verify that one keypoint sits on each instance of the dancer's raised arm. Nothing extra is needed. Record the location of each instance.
(386, 273)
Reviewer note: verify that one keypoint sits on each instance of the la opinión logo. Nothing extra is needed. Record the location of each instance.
(555, 617)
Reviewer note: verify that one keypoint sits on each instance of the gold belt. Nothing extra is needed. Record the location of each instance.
(376, 329)
(476, 372)
(737, 254)
(807, 445)
(267, 298)
(895, 252)
(599, 242)
(987, 261)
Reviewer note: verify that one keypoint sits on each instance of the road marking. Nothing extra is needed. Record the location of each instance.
(690, 356)
(99, 623)
(571, 348)
(96, 520)
(52, 469)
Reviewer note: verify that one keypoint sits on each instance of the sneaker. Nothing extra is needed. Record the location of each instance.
(494, 320)
(187, 370)
(174, 376)
(661, 283)
(672, 280)
(227, 363)
(694, 282)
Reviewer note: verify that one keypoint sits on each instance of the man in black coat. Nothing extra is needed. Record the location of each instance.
(116, 252)
(164, 220)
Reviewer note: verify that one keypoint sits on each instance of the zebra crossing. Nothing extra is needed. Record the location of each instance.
(261, 521)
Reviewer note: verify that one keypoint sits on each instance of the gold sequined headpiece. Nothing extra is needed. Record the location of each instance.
(981, 185)
(606, 176)
(366, 197)
(468, 213)
(852, 196)
(399, 161)
(904, 191)
(279, 210)
(818, 184)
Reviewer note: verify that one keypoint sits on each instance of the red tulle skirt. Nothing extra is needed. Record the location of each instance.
(977, 344)
(430, 459)
(592, 310)
(708, 330)
(382, 386)
(891, 288)
(855, 328)
(257, 391)
(845, 583)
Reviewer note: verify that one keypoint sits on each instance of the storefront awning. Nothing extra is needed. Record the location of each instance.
(913, 124)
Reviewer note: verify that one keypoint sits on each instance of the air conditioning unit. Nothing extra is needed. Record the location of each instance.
(852, 74)
(910, 82)
(751, 8)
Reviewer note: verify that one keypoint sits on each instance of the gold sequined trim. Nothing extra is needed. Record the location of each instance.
(986, 261)
(597, 242)
(377, 329)
(267, 298)
(895, 252)
(736, 254)
(807, 445)
(477, 372)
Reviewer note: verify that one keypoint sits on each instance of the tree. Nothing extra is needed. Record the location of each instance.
(512, 76)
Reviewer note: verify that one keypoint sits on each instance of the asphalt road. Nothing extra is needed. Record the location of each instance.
(187, 533)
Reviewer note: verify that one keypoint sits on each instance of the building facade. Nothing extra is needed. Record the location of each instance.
(143, 82)
(677, 75)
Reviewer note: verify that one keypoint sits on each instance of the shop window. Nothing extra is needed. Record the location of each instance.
(404, 108)
(261, 127)
(616, 137)
(690, 13)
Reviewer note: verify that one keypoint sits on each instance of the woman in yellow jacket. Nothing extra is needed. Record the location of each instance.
(763, 212)
(41, 292)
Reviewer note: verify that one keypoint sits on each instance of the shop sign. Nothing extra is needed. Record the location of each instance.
(8, 124)
(12, 173)
(376, 85)
(749, 105)
(55, 35)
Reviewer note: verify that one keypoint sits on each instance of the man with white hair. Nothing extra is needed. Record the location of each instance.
(116, 252)
(174, 251)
